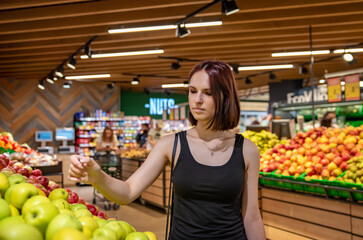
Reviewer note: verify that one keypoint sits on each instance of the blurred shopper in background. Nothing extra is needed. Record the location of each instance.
(107, 142)
(155, 134)
(142, 135)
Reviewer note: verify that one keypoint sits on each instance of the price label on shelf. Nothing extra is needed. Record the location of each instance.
(352, 88)
(334, 90)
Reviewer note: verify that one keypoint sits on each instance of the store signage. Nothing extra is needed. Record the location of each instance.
(334, 90)
(158, 105)
(352, 88)
(305, 96)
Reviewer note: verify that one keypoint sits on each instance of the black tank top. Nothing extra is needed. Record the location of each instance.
(208, 199)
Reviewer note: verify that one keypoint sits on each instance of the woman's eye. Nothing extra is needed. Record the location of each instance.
(208, 93)
(192, 91)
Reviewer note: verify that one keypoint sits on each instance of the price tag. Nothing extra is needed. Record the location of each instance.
(352, 88)
(334, 90)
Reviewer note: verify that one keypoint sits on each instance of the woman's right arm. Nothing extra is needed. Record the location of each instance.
(87, 170)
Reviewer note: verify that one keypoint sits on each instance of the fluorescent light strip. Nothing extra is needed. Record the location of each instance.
(163, 27)
(303, 53)
(322, 81)
(122, 54)
(175, 85)
(88, 76)
(351, 50)
(249, 68)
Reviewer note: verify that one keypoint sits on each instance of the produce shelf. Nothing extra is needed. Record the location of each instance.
(330, 191)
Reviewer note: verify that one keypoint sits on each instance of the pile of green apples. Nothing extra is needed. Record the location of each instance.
(25, 214)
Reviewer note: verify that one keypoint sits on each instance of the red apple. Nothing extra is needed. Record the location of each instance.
(4, 161)
(309, 171)
(330, 156)
(338, 160)
(102, 215)
(44, 181)
(343, 166)
(24, 171)
(37, 172)
(325, 173)
(349, 146)
(324, 162)
(320, 154)
(318, 167)
(300, 169)
(80, 200)
(92, 209)
(72, 197)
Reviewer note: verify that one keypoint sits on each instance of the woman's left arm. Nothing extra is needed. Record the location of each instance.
(250, 210)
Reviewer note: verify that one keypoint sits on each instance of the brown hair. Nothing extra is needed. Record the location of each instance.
(224, 92)
(104, 134)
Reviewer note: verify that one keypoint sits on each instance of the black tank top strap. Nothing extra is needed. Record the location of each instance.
(239, 149)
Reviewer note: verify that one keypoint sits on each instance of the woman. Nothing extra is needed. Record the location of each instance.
(216, 171)
(107, 142)
(142, 135)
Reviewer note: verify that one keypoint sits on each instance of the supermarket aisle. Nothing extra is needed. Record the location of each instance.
(143, 218)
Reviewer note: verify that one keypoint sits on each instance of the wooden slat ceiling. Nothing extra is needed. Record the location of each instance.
(36, 36)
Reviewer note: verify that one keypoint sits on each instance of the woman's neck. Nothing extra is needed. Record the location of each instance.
(207, 134)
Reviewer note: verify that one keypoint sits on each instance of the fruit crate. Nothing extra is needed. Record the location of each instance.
(266, 182)
(275, 182)
(320, 187)
(346, 193)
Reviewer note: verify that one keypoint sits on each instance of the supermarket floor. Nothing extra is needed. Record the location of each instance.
(142, 218)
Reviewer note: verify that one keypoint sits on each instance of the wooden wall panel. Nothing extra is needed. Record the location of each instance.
(24, 108)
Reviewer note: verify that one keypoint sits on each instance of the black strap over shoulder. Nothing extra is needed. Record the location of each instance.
(170, 207)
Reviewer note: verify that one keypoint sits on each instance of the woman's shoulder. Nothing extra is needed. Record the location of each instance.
(250, 147)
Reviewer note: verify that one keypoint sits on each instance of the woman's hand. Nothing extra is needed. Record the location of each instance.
(83, 169)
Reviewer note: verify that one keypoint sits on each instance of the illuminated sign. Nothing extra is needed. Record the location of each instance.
(157, 105)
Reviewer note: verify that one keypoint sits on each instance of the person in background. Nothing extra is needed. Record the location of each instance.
(329, 120)
(215, 171)
(107, 142)
(142, 135)
(155, 134)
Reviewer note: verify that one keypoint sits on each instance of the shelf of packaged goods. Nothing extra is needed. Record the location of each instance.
(84, 145)
(84, 136)
(90, 119)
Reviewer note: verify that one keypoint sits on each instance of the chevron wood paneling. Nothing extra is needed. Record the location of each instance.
(24, 108)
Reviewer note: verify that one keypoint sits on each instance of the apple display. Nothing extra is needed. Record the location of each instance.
(40, 216)
(73, 197)
(44, 181)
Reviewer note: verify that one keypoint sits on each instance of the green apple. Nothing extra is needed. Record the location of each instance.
(32, 202)
(61, 204)
(101, 238)
(82, 212)
(20, 231)
(4, 209)
(151, 235)
(16, 179)
(69, 234)
(101, 222)
(77, 206)
(137, 236)
(11, 221)
(128, 228)
(119, 230)
(40, 215)
(4, 184)
(7, 194)
(105, 232)
(22, 192)
(66, 211)
(58, 193)
(59, 222)
(89, 222)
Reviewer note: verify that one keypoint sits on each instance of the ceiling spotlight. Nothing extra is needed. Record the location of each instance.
(272, 76)
(248, 81)
(229, 7)
(348, 57)
(88, 51)
(41, 85)
(59, 72)
(182, 31)
(50, 79)
(72, 62)
(135, 81)
(111, 85)
(175, 65)
(67, 84)
(303, 70)
(321, 81)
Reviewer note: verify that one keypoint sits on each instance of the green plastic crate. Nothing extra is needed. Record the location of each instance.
(345, 194)
(266, 182)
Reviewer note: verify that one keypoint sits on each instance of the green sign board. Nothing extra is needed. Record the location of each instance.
(153, 104)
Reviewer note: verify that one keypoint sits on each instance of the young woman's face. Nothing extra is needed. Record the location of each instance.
(108, 133)
(201, 102)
